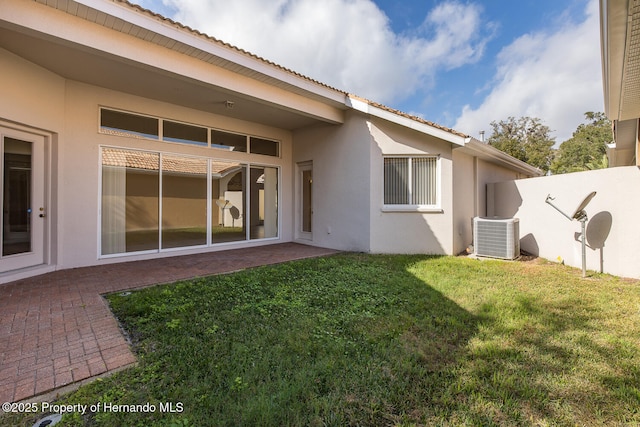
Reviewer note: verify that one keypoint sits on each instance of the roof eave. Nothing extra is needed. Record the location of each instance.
(156, 23)
(397, 117)
(614, 16)
(492, 154)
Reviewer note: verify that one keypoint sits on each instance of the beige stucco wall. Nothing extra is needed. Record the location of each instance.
(68, 112)
(29, 91)
(471, 175)
(341, 182)
(409, 232)
(31, 101)
(612, 230)
(79, 159)
(466, 198)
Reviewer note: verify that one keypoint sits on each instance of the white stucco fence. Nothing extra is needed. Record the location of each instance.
(613, 229)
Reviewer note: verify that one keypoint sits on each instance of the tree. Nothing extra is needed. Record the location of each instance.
(586, 149)
(525, 138)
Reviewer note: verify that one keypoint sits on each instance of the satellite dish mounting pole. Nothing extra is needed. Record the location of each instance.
(578, 215)
(584, 246)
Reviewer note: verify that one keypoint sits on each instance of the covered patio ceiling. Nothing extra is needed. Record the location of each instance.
(72, 58)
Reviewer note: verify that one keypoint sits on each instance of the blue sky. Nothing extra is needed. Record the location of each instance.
(458, 63)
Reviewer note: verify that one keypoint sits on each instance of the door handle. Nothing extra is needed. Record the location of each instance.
(42, 214)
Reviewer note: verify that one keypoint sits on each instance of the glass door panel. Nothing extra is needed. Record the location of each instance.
(228, 205)
(306, 200)
(16, 224)
(184, 201)
(130, 201)
(263, 192)
(22, 214)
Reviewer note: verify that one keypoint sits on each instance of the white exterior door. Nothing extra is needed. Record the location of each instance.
(22, 212)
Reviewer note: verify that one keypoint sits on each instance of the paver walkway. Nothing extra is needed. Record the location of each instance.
(56, 329)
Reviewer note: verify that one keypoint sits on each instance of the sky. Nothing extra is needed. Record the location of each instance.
(458, 63)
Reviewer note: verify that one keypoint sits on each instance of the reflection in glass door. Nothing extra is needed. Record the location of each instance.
(22, 213)
(305, 203)
(16, 221)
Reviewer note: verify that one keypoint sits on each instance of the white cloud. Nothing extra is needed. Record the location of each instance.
(555, 76)
(348, 44)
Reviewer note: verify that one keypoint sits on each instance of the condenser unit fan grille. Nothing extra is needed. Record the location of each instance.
(496, 238)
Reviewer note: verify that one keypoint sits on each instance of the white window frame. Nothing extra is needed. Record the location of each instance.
(161, 138)
(434, 208)
(209, 244)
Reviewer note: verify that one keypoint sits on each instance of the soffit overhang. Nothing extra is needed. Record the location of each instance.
(620, 47)
(112, 45)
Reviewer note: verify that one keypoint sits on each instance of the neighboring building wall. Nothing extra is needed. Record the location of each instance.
(409, 232)
(612, 229)
(341, 182)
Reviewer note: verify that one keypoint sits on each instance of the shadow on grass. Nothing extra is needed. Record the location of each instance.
(344, 340)
(370, 341)
(540, 359)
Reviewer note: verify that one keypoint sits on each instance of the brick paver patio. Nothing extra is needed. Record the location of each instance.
(56, 329)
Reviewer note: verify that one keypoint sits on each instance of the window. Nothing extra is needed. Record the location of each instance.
(127, 124)
(264, 146)
(411, 181)
(187, 134)
(228, 141)
(138, 126)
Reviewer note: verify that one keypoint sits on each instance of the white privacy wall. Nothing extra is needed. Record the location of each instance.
(613, 229)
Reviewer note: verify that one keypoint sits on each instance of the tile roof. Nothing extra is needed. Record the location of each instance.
(183, 27)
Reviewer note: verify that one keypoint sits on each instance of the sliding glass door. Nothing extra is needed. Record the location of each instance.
(154, 201)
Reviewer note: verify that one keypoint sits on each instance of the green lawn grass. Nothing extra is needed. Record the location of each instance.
(372, 340)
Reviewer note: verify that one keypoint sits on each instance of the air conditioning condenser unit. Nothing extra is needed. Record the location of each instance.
(496, 238)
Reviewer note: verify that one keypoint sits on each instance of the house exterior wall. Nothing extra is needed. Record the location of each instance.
(489, 173)
(79, 159)
(409, 232)
(32, 92)
(341, 182)
(466, 199)
(471, 175)
(68, 112)
(31, 101)
(612, 230)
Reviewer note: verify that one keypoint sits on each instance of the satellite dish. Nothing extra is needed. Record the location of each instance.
(579, 215)
(579, 212)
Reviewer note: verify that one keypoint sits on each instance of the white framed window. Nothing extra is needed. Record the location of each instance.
(411, 183)
(134, 125)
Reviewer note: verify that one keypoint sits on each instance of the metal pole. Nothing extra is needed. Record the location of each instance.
(584, 247)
